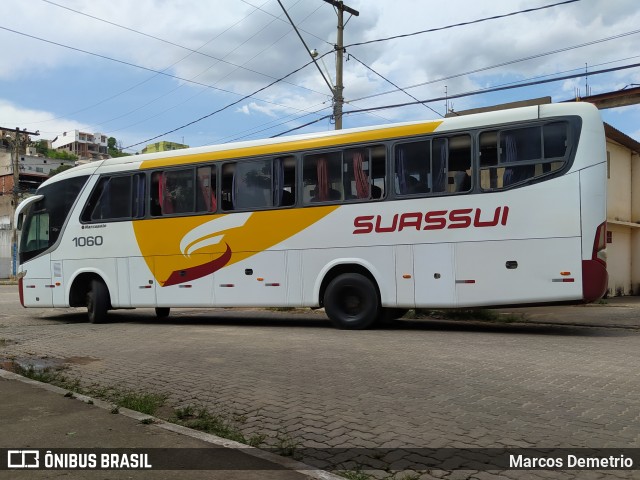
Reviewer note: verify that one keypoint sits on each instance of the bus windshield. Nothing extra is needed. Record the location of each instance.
(44, 219)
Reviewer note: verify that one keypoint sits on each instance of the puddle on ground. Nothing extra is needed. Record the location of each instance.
(40, 364)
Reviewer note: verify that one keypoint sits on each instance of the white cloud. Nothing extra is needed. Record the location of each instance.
(47, 123)
(243, 49)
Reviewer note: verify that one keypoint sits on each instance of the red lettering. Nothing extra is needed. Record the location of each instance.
(413, 219)
(505, 212)
(460, 218)
(435, 220)
(392, 228)
(363, 224)
(492, 223)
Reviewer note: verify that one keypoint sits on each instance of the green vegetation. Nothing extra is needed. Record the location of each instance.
(114, 148)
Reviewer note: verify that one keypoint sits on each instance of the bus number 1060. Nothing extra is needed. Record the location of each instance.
(87, 241)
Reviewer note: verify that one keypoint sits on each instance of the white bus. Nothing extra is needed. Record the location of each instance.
(499, 208)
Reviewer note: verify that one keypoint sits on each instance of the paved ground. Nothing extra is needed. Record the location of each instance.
(38, 416)
(571, 380)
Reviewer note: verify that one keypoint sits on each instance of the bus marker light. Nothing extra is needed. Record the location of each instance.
(565, 274)
(260, 279)
(144, 286)
(30, 286)
(58, 284)
(563, 280)
(465, 281)
(227, 285)
(184, 286)
(271, 284)
(406, 275)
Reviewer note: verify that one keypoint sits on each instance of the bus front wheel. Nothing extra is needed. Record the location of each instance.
(351, 301)
(98, 302)
(162, 312)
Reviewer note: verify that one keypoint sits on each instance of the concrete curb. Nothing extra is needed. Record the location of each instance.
(288, 463)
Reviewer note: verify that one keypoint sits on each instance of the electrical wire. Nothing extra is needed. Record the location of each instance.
(497, 89)
(503, 64)
(169, 42)
(461, 24)
(222, 108)
(389, 81)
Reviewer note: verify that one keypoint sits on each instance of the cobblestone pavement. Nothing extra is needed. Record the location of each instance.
(429, 383)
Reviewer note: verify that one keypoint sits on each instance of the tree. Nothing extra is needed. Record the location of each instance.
(114, 148)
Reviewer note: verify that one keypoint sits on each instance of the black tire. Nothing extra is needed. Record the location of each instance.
(98, 302)
(351, 301)
(162, 312)
(388, 314)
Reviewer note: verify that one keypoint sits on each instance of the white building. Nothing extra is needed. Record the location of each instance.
(87, 146)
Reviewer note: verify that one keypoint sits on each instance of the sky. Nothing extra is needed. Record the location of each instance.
(205, 72)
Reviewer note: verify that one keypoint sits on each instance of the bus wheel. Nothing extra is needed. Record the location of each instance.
(351, 301)
(98, 302)
(162, 312)
(389, 314)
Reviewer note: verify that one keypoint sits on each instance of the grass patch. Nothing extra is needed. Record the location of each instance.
(140, 401)
(286, 446)
(199, 418)
(54, 376)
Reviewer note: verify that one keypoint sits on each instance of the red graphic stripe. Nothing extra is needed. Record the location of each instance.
(199, 271)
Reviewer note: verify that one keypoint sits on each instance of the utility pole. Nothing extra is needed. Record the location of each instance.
(15, 199)
(336, 91)
(338, 98)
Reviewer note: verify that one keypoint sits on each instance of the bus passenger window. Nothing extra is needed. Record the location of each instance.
(206, 189)
(413, 168)
(111, 200)
(323, 177)
(458, 163)
(512, 157)
(252, 184)
(284, 181)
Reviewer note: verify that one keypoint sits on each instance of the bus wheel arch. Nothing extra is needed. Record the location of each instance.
(89, 290)
(351, 296)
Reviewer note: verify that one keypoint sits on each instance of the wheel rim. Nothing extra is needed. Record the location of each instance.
(352, 301)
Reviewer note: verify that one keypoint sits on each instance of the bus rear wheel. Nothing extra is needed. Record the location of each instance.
(98, 302)
(351, 301)
(162, 312)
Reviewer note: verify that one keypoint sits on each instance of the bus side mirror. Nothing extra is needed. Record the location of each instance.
(19, 221)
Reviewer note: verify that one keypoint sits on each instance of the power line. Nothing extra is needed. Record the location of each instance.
(466, 94)
(282, 20)
(497, 89)
(480, 20)
(168, 42)
(503, 64)
(222, 108)
(389, 81)
(150, 69)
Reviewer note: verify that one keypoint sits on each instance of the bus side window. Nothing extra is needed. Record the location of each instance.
(112, 199)
(227, 186)
(284, 181)
(413, 168)
(206, 189)
(458, 164)
(511, 157)
(323, 177)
